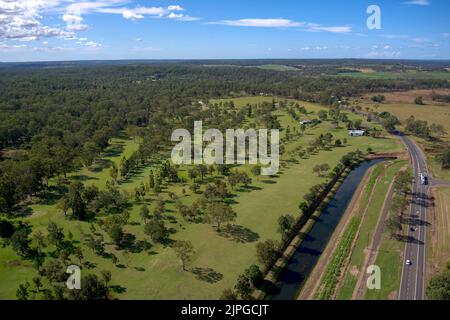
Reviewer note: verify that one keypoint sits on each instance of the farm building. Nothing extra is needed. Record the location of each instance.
(356, 133)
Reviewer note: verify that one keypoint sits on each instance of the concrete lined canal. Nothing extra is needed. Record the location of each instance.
(308, 253)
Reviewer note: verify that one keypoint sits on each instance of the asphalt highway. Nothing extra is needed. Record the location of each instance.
(413, 274)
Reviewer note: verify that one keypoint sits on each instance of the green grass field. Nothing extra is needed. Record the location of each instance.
(371, 202)
(390, 261)
(156, 274)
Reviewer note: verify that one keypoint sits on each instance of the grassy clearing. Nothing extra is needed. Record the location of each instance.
(438, 246)
(390, 261)
(157, 274)
(277, 67)
(371, 203)
(409, 75)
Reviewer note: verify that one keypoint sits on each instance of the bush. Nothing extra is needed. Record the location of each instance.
(254, 274)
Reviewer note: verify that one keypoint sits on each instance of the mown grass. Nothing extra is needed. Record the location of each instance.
(157, 274)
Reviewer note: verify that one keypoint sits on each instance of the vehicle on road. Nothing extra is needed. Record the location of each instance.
(408, 262)
(423, 179)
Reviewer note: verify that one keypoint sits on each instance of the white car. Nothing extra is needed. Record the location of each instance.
(408, 262)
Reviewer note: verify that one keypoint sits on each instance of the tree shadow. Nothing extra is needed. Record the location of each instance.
(239, 234)
(118, 289)
(207, 274)
(82, 177)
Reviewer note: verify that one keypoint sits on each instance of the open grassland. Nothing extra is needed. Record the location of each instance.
(369, 209)
(219, 258)
(407, 75)
(408, 97)
(390, 261)
(439, 239)
(277, 67)
(430, 113)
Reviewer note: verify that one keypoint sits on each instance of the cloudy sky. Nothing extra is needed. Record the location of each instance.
(39, 30)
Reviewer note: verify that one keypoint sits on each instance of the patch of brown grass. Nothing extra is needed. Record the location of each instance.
(409, 96)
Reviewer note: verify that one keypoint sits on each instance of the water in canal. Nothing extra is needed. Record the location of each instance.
(308, 253)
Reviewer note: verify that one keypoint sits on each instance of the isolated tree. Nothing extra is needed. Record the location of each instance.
(55, 234)
(22, 292)
(254, 274)
(393, 226)
(285, 224)
(256, 171)
(63, 205)
(267, 252)
(303, 206)
(144, 213)
(151, 180)
(116, 233)
(37, 282)
(419, 100)
(79, 254)
(193, 173)
(114, 172)
(92, 289)
(106, 277)
(243, 287)
(219, 213)
(20, 242)
(39, 239)
(160, 209)
(75, 200)
(398, 204)
(156, 230)
(184, 250)
(202, 170)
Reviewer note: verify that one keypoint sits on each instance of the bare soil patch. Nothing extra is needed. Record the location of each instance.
(409, 96)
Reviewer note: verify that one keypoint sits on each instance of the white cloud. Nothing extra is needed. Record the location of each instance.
(20, 20)
(74, 22)
(395, 36)
(418, 2)
(261, 23)
(181, 17)
(175, 8)
(131, 15)
(318, 28)
(282, 23)
(384, 54)
(92, 44)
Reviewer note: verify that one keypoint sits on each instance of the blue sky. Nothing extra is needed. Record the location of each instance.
(38, 30)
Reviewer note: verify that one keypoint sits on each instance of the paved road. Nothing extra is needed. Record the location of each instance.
(413, 276)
